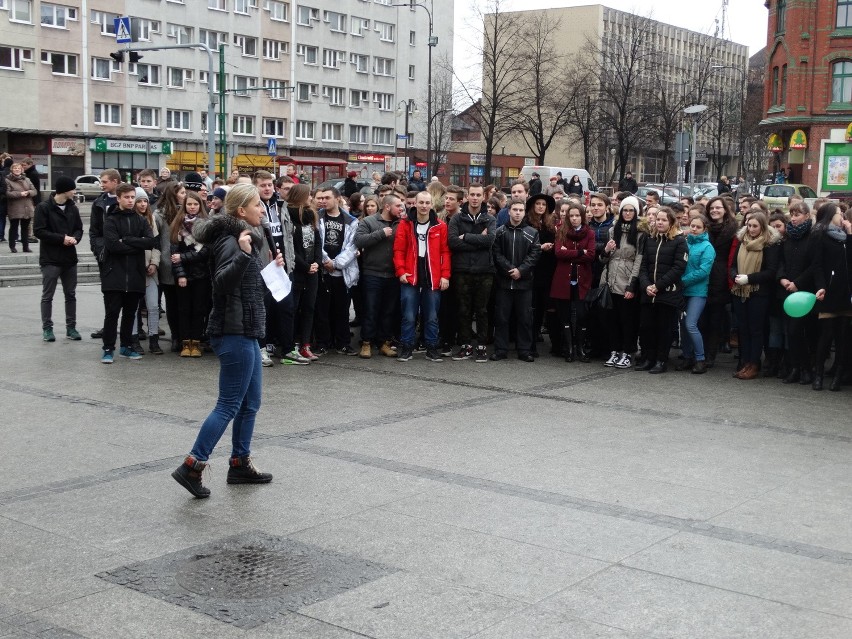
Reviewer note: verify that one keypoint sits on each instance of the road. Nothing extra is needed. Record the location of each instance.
(418, 499)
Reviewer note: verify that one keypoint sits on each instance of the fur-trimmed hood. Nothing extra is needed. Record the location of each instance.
(209, 230)
(774, 236)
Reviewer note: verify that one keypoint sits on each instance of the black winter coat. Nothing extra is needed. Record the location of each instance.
(237, 283)
(798, 262)
(35, 178)
(101, 207)
(473, 253)
(719, 291)
(765, 278)
(127, 235)
(194, 262)
(516, 247)
(832, 272)
(51, 226)
(663, 264)
(303, 259)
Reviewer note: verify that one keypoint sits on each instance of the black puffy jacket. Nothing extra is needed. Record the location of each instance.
(832, 272)
(473, 253)
(127, 235)
(721, 237)
(516, 247)
(51, 226)
(237, 283)
(194, 262)
(663, 264)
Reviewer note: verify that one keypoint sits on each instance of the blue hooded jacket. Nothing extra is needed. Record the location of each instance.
(696, 278)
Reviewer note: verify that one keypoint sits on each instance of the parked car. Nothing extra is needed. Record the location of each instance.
(668, 195)
(363, 184)
(88, 186)
(776, 195)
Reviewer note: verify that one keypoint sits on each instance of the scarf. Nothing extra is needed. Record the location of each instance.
(749, 260)
(798, 232)
(836, 233)
(185, 232)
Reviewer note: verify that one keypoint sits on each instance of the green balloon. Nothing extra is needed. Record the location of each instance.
(799, 304)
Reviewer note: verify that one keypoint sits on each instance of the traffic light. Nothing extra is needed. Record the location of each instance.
(118, 56)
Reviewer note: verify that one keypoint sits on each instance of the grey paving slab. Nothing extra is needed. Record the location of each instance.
(764, 573)
(660, 606)
(548, 525)
(536, 622)
(404, 606)
(500, 566)
(814, 510)
(39, 569)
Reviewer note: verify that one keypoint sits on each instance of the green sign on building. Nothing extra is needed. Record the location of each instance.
(836, 164)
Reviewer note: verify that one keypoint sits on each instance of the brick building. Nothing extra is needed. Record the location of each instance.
(808, 91)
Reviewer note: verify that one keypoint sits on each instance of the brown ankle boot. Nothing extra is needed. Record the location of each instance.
(186, 351)
(194, 348)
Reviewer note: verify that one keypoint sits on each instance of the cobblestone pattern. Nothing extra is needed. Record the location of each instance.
(26, 626)
(246, 593)
(576, 503)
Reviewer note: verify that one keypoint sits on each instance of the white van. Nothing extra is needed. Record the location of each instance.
(545, 173)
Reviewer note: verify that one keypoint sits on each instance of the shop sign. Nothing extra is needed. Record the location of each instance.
(375, 158)
(774, 143)
(798, 140)
(67, 146)
(477, 159)
(103, 145)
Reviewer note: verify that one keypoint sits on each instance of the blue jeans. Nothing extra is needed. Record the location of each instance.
(240, 380)
(425, 300)
(692, 344)
(380, 310)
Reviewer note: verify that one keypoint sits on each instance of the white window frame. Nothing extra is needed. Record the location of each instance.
(336, 21)
(17, 57)
(212, 38)
(101, 109)
(101, 61)
(305, 91)
(179, 32)
(136, 113)
(383, 66)
(309, 53)
(145, 73)
(333, 58)
(242, 84)
(242, 125)
(355, 129)
(358, 26)
(51, 57)
(145, 27)
(306, 16)
(412, 38)
(276, 47)
(384, 100)
(330, 128)
(360, 61)
(278, 89)
(105, 19)
(241, 7)
(278, 11)
(382, 136)
(278, 128)
(217, 5)
(386, 31)
(15, 6)
(359, 99)
(204, 123)
(306, 130)
(183, 117)
(185, 76)
(411, 69)
(57, 13)
(244, 42)
(336, 95)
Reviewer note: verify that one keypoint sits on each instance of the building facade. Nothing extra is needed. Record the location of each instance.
(325, 80)
(808, 92)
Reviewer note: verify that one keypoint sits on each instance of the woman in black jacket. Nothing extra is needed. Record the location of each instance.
(308, 254)
(189, 259)
(237, 320)
(834, 290)
(753, 266)
(663, 264)
(796, 273)
(715, 320)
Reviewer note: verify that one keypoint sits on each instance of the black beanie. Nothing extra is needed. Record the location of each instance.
(64, 184)
(193, 181)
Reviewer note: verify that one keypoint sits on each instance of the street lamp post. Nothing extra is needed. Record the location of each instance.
(694, 110)
(433, 42)
(410, 108)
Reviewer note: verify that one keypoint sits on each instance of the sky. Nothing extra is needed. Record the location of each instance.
(746, 21)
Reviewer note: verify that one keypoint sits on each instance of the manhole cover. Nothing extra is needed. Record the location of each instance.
(244, 574)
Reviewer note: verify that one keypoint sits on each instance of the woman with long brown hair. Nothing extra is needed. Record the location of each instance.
(308, 254)
(169, 202)
(541, 216)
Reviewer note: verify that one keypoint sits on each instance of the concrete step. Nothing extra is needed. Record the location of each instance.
(8, 270)
(20, 258)
(7, 281)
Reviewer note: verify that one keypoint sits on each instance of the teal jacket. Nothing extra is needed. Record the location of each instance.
(697, 276)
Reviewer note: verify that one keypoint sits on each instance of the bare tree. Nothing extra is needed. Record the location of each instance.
(442, 115)
(494, 103)
(585, 119)
(546, 101)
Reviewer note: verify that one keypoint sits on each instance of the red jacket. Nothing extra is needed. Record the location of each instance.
(577, 249)
(405, 250)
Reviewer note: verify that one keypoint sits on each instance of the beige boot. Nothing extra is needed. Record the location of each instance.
(366, 351)
(195, 348)
(186, 351)
(388, 350)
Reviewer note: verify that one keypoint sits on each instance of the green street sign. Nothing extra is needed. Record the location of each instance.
(100, 145)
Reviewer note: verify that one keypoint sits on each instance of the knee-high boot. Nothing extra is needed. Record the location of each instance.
(567, 343)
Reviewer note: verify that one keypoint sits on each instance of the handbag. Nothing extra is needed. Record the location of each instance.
(600, 297)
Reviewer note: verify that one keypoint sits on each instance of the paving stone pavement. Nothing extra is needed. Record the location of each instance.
(418, 499)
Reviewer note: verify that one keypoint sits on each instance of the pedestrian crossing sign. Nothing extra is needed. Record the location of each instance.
(122, 30)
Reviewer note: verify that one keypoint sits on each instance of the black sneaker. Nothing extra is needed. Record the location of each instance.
(481, 355)
(404, 354)
(465, 352)
(420, 347)
(98, 334)
(347, 350)
(446, 350)
(497, 356)
(434, 355)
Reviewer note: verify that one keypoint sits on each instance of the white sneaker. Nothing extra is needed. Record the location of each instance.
(265, 359)
(624, 361)
(613, 358)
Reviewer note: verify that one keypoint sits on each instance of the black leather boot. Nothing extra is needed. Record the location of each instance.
(583, 350)
(792, 376)
(568, 343)
(242, 471)
(819, 372)
(188, 475)
(806, 377)
(837, 380)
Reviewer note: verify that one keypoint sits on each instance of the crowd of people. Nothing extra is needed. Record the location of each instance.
(450, 273)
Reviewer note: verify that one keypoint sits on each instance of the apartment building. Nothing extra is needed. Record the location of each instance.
(325, 80)
(681, 56)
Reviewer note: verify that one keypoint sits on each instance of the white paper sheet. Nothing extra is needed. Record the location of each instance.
(277, 281)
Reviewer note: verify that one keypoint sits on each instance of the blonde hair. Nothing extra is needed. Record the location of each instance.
(239, 197)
